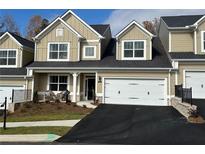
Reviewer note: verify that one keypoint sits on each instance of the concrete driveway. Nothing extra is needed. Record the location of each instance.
(129, 124)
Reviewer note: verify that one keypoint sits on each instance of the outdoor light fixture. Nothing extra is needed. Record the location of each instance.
(99, 79)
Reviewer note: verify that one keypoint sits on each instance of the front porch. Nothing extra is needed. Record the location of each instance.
(82, 86)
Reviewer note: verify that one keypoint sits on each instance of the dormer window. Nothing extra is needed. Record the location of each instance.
(59, 32)
(89, 51)
(133, 50)
(8, 57)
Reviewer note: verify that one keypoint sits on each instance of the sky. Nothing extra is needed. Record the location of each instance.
(116, 18)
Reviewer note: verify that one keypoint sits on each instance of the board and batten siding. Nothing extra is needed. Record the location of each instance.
(80, 27)
(50, 36)
(9, 43)
(134, 33)
(182, 42)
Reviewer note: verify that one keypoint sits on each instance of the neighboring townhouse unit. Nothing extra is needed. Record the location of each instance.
(15, 53)
(132, 68)
(183, 37)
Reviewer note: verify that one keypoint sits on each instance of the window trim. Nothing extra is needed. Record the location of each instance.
(10, 66)
(48, 51)
(87, 46)
(58, 30)
(202, 41)
(133, 58)
(68, 81)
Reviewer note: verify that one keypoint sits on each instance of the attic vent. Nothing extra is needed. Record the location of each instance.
(59, 32)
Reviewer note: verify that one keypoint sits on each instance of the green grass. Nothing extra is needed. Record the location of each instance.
(35, 130)
(47, 117)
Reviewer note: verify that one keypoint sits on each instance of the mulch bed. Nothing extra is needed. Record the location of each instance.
(28, 109)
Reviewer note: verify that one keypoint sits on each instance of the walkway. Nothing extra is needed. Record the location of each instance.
(67, 123)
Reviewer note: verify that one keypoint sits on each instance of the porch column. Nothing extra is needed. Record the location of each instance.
(75, 75)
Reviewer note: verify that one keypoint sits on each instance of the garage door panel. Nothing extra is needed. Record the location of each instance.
(134, 91)
(196, 80)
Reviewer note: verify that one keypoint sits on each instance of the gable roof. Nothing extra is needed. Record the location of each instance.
(62, 21)
(91, 28)
(181, 21)
(18, 39)
(134, 23)
(100, 28)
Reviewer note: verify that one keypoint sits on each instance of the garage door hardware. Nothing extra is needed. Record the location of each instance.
(133, 98)
(133, 84)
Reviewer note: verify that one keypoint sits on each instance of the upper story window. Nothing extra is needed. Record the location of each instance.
(59, 32)
(58, 51)
(89, 51)
(58, 82)
(133, 49)
(8, 57)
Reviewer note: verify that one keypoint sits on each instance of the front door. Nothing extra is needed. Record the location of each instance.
(90, 88)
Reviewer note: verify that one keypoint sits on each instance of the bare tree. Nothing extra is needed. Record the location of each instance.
(8, 24)
(152, 26)
(35, 25)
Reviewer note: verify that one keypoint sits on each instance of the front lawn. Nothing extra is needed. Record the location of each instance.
(47, 111)
(35, 130)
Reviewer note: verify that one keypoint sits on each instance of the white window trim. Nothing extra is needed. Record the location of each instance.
(10, 66)
(48, 51)
(87, 46)
(68, 81)
(134, 58)
(202, 41)
(59, 29)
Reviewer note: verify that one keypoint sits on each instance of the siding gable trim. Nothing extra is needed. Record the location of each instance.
(62, 21)
(134, 23)
(7, 33)
(71, 12)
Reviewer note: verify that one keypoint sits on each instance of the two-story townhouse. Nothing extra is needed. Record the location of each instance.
(183, 38)
(15, 53)
(132, 68)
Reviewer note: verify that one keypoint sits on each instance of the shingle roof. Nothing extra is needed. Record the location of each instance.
(185, 55)
(181, 21)
(100, 28)
(21, 40)
(160, 60)
(13, 71)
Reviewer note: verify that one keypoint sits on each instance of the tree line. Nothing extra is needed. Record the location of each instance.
(37, 23)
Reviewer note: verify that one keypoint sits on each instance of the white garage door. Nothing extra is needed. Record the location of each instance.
(196, 80)
(6, 91)
(135, 91)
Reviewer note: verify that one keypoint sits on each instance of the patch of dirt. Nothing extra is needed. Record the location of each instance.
(29, 109)
(196, 119)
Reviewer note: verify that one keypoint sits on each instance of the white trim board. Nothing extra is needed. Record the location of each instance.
(71, 12)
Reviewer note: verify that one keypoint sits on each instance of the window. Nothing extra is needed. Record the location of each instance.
(134, 49)
(89, 52)
(59, 32)
(58, 83)
(7, 57)
(58, 51)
